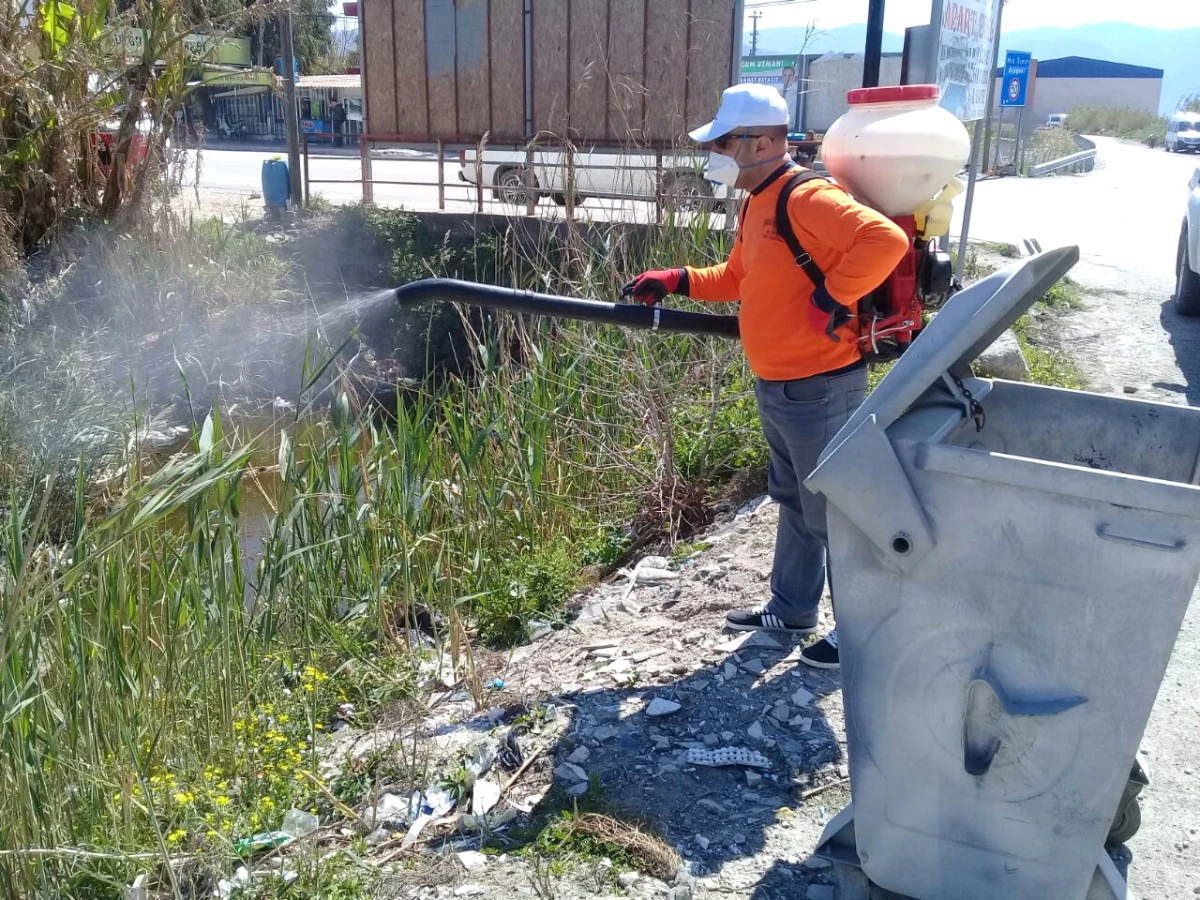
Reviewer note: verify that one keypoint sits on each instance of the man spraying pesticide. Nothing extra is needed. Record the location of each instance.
(806, 265)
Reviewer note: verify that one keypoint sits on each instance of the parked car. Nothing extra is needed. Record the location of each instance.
(1057, 120)
(1183, 133)
(105, 136)
(1187, 287)
(633, 175)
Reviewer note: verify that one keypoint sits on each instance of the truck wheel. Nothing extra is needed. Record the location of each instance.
(1125, 825)
(687, 191)
(510, 186)
(1187, 287)
(561, 199)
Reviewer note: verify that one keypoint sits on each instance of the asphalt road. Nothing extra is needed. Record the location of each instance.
(1125, 218)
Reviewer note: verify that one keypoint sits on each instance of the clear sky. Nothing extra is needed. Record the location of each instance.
(1018, 14)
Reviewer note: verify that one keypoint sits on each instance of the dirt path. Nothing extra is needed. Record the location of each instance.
(642, 682)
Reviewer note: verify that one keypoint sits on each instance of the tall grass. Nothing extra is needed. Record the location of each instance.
(163, 697)
(1122, 122)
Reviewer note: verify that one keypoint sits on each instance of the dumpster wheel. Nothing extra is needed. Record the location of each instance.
(1125, 825)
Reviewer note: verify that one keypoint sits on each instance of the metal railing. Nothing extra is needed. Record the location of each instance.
(673, 179)
(1083, 161)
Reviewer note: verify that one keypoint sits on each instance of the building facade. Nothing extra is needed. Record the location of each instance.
(1063, 85)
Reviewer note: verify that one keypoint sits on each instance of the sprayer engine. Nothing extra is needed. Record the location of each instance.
(892, 315)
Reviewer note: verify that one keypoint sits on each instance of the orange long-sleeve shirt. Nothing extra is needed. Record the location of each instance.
(855, 246)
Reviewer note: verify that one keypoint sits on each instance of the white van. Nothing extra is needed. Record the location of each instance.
(1183, 133)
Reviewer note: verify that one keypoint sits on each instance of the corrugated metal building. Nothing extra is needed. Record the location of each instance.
(1064, 84)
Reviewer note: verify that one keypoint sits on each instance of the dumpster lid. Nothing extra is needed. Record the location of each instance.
(968, 324)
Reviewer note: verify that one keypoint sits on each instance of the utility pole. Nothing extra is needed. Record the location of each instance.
(873, 53)
(290, 117)
(754, 17)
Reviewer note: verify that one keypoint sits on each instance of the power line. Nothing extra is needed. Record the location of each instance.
(776, 3)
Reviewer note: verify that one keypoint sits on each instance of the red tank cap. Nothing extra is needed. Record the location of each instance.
(893, 94)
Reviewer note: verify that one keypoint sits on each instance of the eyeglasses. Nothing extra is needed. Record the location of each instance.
(726, 141)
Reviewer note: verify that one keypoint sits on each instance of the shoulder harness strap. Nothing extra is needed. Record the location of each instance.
(783, 225)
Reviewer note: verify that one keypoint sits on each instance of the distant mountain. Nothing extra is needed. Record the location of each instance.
(1176, 52)
(844, 39)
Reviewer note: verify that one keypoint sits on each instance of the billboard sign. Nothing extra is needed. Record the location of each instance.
(1014, 85)
(966, 33)
(216, 49)
(780, 72)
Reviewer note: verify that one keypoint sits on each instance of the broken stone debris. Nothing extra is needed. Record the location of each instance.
(660, 706)
(472, 859)
(802, 697)
(579, 755)
(605, 733)
(570, 772)
(1004, 359)
(754, 666)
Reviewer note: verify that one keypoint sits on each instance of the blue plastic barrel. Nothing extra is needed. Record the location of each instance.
(276, 184)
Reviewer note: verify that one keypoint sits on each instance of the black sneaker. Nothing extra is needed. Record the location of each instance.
(746, 620)
(823, 654)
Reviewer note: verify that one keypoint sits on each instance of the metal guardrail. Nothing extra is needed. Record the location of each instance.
(1076, 161)
(445, 156)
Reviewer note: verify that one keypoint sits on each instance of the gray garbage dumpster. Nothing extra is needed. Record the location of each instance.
(1011, 564)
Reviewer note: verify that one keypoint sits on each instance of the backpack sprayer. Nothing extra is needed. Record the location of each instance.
(899, 152)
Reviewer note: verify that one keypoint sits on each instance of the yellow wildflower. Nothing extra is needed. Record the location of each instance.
(176, 836)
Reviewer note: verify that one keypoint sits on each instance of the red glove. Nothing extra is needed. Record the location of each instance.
(650, 287)
(826, 314)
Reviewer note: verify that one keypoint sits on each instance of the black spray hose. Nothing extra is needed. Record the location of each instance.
(628, 315)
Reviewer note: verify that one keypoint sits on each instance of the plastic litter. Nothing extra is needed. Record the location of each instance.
(485, 796)
(299, 823)
(510, 755)
(481, 762)
(489, 822)
(728, 756)
(265, 840)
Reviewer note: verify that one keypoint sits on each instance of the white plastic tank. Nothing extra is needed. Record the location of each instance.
(896, 148)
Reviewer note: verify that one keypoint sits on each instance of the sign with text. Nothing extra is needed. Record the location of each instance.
(966, 34)
(224, 51)
(1014, 84)
(780, 72)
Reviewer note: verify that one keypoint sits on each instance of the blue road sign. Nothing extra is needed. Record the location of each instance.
(1014, 84)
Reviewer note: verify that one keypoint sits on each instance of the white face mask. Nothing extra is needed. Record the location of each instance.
(722, 169)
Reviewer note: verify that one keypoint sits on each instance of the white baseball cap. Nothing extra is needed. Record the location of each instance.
(744, 106)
